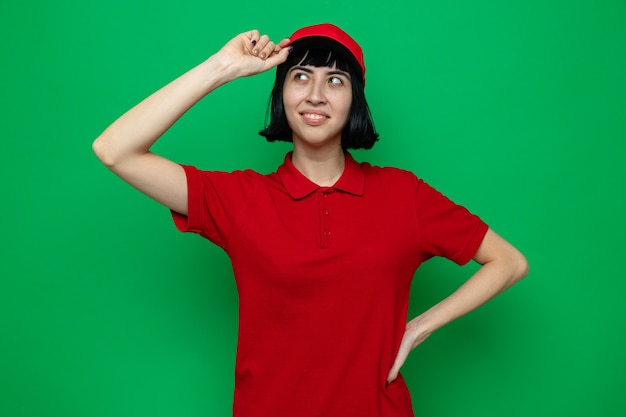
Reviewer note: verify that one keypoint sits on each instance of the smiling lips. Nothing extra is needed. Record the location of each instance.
(314, 118)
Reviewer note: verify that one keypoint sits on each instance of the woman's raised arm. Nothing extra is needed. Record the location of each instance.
(124, 147)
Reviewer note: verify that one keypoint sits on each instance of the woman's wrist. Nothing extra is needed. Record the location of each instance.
(222, 68)
(429, 321)
(214, 72)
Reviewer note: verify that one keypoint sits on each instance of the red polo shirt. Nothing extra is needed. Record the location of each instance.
(323, 276)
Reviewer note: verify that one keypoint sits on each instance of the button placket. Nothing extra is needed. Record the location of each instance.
(325, 229)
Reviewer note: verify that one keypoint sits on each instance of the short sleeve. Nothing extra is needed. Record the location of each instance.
(214, 200)
(446, 229)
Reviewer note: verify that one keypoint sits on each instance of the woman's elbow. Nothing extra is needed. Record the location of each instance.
(520, 266)
(103, 151)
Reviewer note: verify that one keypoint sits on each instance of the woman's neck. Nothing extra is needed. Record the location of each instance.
(323, 166)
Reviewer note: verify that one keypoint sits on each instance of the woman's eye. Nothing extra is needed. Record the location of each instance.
(335, 80)
(301, 76)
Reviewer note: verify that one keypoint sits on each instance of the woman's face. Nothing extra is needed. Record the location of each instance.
(317, 104)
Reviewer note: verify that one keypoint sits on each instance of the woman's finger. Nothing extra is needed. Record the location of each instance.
(403, 353)
(260, 45)
(267, 51)
(254, 36)
(277, 58)
(250, 39)
(283, 43)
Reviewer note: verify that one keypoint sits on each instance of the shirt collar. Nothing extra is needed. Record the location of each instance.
(352, 179)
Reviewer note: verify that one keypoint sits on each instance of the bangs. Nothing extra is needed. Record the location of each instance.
(320, 52)
(317, 57)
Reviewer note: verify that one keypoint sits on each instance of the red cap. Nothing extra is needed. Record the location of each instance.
(332, 32)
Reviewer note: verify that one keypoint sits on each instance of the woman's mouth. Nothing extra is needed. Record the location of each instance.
(314, 118)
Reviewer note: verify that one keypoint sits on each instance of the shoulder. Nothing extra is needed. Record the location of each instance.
(390, 176)
(244, 174)
(223, 181)
(402, 182)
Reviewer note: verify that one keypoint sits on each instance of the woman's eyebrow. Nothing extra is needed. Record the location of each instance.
(301, 68)
(310, 71)
(338, 72)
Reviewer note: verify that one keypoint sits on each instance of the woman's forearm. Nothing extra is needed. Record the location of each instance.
(490, 280)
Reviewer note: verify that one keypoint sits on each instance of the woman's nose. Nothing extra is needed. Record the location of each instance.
(316, 93)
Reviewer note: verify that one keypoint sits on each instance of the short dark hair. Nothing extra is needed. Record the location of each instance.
(359, 132)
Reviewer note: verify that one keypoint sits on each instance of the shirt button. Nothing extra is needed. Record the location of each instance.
(327, 233)
(325, 212)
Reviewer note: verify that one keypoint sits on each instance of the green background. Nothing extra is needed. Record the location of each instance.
(516, 110)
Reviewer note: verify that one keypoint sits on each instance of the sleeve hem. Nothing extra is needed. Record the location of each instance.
(473, 244)
(190, 222)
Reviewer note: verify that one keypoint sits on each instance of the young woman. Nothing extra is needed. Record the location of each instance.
(324, 249)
